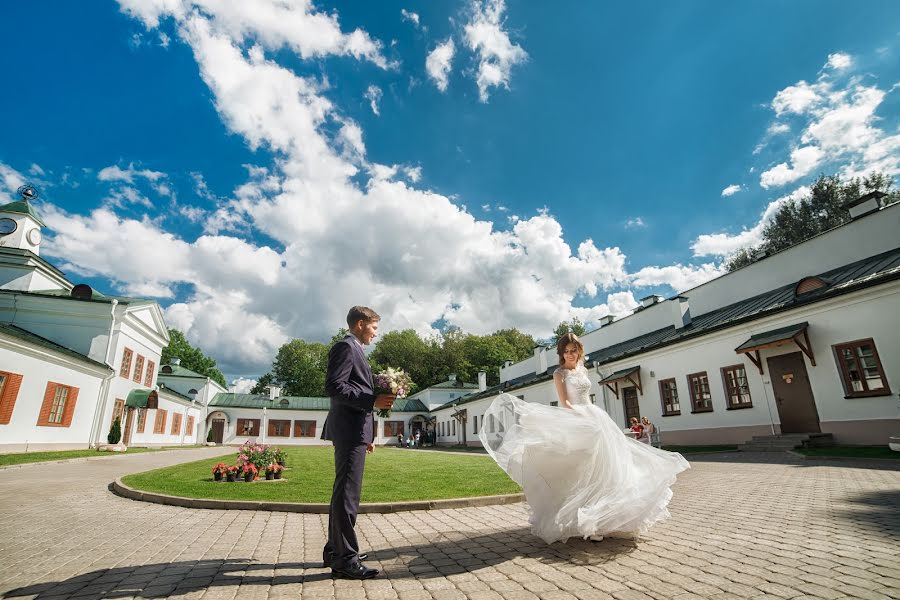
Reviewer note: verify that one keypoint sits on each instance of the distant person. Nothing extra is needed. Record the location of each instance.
(647, 434)
(399, 440)
(636, 427)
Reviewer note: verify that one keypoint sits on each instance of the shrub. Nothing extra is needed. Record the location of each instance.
(115, 433)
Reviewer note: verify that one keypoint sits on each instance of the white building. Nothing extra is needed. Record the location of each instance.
(70, 357)
(804, 341)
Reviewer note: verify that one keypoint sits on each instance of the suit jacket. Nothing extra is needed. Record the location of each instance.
(348, 381)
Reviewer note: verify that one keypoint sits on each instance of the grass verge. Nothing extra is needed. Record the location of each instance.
(392, 475)
(22, 458)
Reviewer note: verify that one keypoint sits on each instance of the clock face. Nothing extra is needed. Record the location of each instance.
(34, 237)
(7, 226)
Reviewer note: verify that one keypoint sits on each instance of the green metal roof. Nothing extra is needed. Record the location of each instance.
(140, 398)
(453, 385)
(179, 371)
(22, 207)
(782, 334)
(229, 400)
(168, 390)
(95, 296)
(620, 374)
(43, 342)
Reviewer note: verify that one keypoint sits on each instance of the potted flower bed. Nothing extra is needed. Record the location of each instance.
(219, 471)
(278, 471)
(249, 471)
(279, 457)
(270, 471)
(231, 473)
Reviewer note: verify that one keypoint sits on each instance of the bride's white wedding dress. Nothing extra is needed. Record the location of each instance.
(582, 476)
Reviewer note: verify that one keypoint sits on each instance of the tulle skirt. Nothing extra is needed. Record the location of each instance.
(581, 474)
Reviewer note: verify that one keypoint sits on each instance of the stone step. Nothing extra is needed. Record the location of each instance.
(759, 448)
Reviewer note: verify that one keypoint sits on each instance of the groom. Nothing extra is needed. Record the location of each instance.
(350, 426)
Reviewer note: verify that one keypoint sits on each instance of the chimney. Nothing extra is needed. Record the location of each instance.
(175, 361)
(540, 360)
(482, 381)
(865, 204)
(650, 300)
(507, 363)
(681, 312)
(604, 321)
(274, 392)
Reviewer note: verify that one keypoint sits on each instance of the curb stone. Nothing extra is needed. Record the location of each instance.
(123, 490)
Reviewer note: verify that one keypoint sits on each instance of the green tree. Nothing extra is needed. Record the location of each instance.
(521, 343)
(574, 326)
(191, 358)
(822, 209)
(300, 366)
(341, 334)
(404, 350)
(263, 383)
(115, 432)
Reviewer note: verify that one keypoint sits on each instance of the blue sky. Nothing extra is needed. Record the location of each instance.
(229, 160)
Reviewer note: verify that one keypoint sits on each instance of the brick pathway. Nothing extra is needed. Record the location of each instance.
(742, 526)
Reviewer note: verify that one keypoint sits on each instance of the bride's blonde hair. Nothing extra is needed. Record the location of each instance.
(565, 340)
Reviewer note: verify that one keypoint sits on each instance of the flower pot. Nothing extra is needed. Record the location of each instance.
(277, 474)
(270, 475)
(217, 476)
(248, 477)
(894, 443)
(229, 477)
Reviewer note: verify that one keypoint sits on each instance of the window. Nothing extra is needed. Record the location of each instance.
(861, 370)
(491, 423)
(58, 406)
(393, 428)
(118, 409)
(593, 398)
(125, 369)
(9, 391)
(668, 393)
(151, 368)
(701, 399)
(474, 424)
(160, 425)
(554, 403)
(248, 427)
(280, 427)
(138, 368)
(737, 390)
(190, 426)
(304, 429)
(176, 424)
(142, 420)
(453, 424)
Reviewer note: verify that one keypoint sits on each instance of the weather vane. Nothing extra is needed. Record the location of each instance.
(28, 192)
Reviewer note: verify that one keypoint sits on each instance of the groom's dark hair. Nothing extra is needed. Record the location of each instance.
(361, 313)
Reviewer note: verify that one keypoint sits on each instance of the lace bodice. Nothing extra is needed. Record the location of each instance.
(578, 385)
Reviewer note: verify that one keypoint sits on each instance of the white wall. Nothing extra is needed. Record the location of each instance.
(37, 369)
(166, 438)
(231, 437)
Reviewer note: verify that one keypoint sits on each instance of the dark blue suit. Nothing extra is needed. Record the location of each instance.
(350, 426)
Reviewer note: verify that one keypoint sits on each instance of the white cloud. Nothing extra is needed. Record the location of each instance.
(621, 303)
(414, 174)
(116, 173)
(486, 207)
(797, 98)
(373, 95)
(163, 40)
(10, 180)
(679, 277)
(635, 223)
(242, 385)
(839, 61)
(412, 17)
(35, 169)
(803, 161)
(274, 24)
(724, 244)
(497, 55)
(439, 62)
(731, 190)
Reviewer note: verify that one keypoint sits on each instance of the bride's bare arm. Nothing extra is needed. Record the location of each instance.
(561, 389)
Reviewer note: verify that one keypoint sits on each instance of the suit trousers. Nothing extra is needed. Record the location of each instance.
(342, 546)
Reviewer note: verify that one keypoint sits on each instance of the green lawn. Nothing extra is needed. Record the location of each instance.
(852, 452)
(697, 449)
(391, 475)
(21, 458)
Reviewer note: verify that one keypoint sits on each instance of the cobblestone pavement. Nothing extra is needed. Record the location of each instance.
(742, 526)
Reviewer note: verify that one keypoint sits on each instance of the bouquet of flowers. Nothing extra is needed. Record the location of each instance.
(395, 382)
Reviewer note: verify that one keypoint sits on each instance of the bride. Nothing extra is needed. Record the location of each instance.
(581, 475)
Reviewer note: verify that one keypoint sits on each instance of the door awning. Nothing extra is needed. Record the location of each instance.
(142, 399)
(631, 375)
(792, 334)
(219, 414)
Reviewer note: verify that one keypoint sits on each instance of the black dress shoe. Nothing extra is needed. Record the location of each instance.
(327, 558)
(355, 571)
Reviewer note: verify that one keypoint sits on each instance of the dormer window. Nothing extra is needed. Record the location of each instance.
(809, 284)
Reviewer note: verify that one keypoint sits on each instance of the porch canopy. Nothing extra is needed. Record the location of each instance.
(631, 375)
(792, 334)
(142, 399)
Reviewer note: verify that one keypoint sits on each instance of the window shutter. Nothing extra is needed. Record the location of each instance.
(69, 410)
(10, 393)
(47, 406)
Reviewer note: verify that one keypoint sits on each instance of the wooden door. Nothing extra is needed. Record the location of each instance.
(218, 427)
(129, 417)
(793, 394)
(632, 407)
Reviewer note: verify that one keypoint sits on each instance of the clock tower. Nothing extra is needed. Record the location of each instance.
(20, 225)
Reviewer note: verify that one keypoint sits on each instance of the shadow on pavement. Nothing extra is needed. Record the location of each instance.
(785, 458)
(449, 554)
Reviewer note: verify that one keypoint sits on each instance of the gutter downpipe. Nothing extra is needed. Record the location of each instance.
(104, 387)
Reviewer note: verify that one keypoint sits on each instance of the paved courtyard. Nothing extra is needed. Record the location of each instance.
(742, 526)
